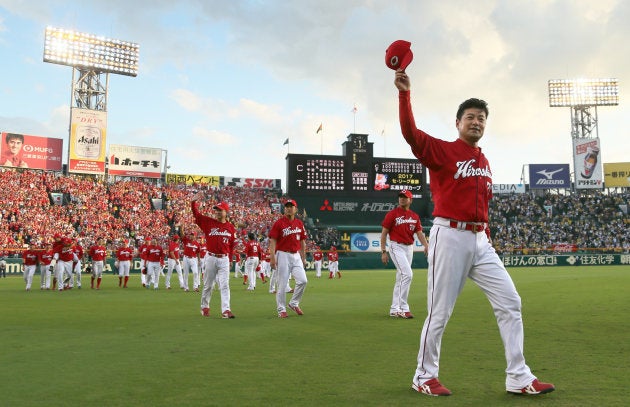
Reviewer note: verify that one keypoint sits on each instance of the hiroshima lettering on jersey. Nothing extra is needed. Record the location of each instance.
(465, 169)
(288, 231)
(401, 220)
(219, 232)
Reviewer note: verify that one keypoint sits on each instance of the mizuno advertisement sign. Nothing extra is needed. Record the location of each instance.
(549, 176)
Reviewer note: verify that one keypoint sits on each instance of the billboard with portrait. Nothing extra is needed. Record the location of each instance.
(27, 151)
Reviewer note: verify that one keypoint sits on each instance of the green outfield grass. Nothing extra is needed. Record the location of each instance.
(136, 347)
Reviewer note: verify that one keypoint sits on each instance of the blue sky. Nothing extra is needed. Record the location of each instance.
(222, 84)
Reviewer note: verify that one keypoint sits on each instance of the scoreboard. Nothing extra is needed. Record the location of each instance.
(355, 173)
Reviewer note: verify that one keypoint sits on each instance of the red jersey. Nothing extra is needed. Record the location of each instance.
(202, 251)
(236, 257)
(220, 236)
(98, 253)
(155, 254)
(30, 257)
(252, 249)
(402, 225)
(318, 255)
(461, 180)
(173, 250)
(265, 257)
(45, 257)
(288, 234)
(124, 253)
(142, 250)
(333, 255)
(78, 250)
(191, 248)
(66, 253)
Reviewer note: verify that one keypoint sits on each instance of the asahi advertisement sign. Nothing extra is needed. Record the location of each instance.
(549, 176)
(587, 164)
(88, 131)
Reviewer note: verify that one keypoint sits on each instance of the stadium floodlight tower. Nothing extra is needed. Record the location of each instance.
(583, 96)
(92, 58)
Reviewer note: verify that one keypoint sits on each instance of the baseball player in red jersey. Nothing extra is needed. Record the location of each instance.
(333, 262)
(44, 258)
(154, 263)
(124, 254)
(77, 249)
(287, 251)
(174, 263)
(460, 245)
(29, 265)
(98, 253)
(252, 259)
(318, 256)
(64, 257)
(220, 236)
(401, 224)
(191, 261)
(142, 253)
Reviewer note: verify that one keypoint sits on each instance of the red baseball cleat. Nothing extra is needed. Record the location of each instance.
(205, 312)
(227, 314)
(432, 387)
(297, 309)
(406, 315)
(535, 387)
(283, 314)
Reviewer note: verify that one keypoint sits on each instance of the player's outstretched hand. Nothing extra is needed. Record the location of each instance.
(402, 81)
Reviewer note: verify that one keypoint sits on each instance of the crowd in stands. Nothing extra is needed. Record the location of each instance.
(520, 223)
(592, 221)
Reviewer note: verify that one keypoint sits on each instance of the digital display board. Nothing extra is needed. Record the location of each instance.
(356, 172)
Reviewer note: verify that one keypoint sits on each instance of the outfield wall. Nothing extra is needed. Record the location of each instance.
(367, 261)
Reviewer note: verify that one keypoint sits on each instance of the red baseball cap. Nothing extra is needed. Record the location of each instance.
(398, 55)
(291, 202)
(223, 206)
(175, 237)
(406, 193)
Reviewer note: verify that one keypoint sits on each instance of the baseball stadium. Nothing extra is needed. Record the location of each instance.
(127, 281)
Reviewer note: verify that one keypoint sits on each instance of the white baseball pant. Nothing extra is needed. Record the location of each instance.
(191, 265)
(174, 264)
(402, 256)
(250, 270)
(289, 263)
(454, 256)
(217, 268)
(29, 272)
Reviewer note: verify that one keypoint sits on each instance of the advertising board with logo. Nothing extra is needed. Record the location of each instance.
(371, 242)
(133, 161)
(549, 176)
(587, 164)
(27, 151)
(88, 136)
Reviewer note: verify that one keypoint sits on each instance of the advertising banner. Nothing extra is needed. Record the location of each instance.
(251, 182)
(549, 176)
(190, 179)
(26, 151)
(617, 175)
(132, 161)
(371, 242)
(586, 162)
(88, 130)
(498, 189)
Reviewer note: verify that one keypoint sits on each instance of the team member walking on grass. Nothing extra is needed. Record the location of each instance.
(220, 236)
(460, 245)
(401, 223)
(287, 251)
